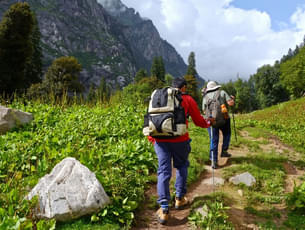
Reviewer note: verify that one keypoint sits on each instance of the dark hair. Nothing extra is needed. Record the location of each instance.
(179, 82)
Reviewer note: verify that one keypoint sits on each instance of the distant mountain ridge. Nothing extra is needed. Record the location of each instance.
(111, 41)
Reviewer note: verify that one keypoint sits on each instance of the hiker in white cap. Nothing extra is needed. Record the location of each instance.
(214, 105)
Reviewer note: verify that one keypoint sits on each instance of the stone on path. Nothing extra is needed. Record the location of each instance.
(217, 181)
(245, 178)
(71, 190)
(203, 210)
(10, 118)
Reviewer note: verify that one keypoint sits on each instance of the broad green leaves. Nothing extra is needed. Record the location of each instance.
(109, 141)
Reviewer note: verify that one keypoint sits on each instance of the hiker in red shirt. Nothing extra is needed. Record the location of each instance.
(178, 149)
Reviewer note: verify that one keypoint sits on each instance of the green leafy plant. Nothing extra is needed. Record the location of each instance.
(215, 218)
(296, 199)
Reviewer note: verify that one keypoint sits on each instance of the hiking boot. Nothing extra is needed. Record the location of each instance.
(181, 202)
(214, 165)
(162, 215)
(225, 154)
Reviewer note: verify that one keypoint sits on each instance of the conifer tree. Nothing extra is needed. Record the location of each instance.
(192, 86)
(33, 69)
(15, 47)
(191, 69)
(158, 69)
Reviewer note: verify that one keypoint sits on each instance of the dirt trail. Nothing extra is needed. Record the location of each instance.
(178, 218)
(241, 220)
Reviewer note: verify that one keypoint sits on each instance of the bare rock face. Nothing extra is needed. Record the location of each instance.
(10, 118)
(71, 190)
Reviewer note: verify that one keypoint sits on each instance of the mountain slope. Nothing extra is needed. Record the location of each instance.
(144, 39)
(105, 43)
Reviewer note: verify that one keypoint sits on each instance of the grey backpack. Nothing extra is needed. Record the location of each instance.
(165, 116)
(213, 109)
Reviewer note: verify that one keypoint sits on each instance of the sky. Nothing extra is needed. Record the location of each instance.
(230, 38)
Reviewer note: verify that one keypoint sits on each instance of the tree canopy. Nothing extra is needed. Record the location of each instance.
(292, 74)
(16, 48)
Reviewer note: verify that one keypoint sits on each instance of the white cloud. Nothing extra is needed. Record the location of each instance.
(298, 18)
(226, 40)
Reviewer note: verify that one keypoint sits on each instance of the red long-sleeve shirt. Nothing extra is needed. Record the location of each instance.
(190, 108)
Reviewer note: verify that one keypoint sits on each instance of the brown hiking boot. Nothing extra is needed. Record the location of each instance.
(181, 202)
(162, 215)
(225, 154)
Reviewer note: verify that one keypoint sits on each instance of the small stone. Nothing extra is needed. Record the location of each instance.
(240, 192)
(245, 178)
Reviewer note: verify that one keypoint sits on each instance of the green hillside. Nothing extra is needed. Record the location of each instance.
(285, 120)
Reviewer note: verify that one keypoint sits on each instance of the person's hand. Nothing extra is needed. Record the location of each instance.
(211, 120)
(231, 102)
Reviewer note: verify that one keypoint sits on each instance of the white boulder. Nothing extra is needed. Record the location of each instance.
(10, 118)
(71, 190)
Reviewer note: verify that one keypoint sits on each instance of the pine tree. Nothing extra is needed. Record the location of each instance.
(191, 69)
(15, 47)
(158, 69)
(33, 69)
(192, 86)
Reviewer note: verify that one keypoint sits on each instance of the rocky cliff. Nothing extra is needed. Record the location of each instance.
(144, 39)
(111, 42)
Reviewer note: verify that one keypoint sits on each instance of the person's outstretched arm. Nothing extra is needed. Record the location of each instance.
(194, 112)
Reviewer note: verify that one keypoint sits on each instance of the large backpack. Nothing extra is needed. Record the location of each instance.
(165, 116)
(213, 110)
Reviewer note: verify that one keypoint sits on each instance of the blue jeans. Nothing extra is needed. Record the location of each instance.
(226, 132)
(167, 151)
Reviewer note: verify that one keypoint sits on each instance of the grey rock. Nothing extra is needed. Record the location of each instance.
(203, 210)
(10, 118)
(71, 190)
(245, 178)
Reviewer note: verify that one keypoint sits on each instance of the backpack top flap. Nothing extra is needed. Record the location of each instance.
(163, 100)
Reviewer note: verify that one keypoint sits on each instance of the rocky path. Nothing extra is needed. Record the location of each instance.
(241, 220)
